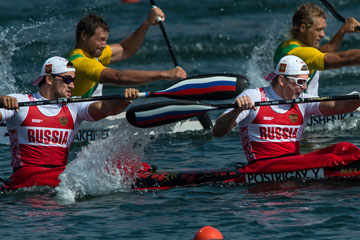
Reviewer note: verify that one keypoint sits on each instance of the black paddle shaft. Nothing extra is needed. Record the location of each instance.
(335, 13)
(166, 38)
(161, 113)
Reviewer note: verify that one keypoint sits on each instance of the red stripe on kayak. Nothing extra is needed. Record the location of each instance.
(198, 91)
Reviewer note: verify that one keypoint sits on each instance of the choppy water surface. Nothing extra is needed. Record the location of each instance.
(208, 37)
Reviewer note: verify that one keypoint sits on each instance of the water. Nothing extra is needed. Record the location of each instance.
(208, 37)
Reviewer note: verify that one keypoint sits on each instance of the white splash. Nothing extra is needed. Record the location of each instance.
(12, 40)
(261, 61)
(7, 49)
(104, 166)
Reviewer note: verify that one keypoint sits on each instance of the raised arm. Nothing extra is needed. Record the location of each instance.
(130, 45)
(348, 27)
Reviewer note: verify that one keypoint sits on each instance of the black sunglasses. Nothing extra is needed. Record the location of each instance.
(67, 79)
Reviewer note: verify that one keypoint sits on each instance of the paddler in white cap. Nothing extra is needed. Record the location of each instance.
(308, 29)
(40, 136)
(272, 131)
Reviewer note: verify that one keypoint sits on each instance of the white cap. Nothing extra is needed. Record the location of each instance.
(288, 65)
(54, 65)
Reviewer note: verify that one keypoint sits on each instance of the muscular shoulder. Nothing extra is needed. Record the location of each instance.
(81, 59)
(14, 119)
(20, 97)
(106, 56)
(88, 70)
(312, 56)
(78, 55)
(81, 110)
(254, 93)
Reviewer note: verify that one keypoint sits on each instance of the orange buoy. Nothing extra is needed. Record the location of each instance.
(208, 233)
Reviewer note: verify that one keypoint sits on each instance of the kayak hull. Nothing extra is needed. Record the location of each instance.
(339, 161)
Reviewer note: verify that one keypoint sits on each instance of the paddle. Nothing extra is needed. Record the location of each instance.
(202, 87)
(335, 13)
(161, 113)
(204, 119)
(166, 38)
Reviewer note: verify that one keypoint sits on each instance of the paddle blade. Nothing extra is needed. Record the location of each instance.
(161, 113)
(206, 87)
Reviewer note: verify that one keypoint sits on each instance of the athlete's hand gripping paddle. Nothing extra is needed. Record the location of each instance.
(161, 113)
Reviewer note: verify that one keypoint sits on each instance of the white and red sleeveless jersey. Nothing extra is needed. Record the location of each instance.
(42, 135)
(272, 131)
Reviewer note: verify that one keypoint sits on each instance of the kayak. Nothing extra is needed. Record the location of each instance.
(338, 161)
(90, 131)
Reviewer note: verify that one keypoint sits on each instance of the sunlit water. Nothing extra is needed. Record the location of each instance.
(95, 200)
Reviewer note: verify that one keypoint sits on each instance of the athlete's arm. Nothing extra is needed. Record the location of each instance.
(139, 77)
(130, 45)
(318, 60)
(336, 107)
(342, 59)
(9, 103)
(102, 109)
(348, 27)
(227, 121)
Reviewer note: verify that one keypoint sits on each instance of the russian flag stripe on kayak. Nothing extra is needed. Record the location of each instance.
(210, 84)
(197, 91)
(167, 113)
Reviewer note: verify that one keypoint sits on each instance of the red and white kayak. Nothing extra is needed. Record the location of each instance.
(339, 161)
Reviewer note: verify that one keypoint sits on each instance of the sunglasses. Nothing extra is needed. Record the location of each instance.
(299, 81)
(67, 79)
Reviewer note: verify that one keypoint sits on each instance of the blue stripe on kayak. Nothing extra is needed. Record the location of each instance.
(201, 85)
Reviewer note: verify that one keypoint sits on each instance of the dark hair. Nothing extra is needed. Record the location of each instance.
(89, 24)
(305, 14)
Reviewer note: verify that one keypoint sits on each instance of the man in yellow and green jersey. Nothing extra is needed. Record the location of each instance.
(309, 23)
(92, 54)
(88, 71)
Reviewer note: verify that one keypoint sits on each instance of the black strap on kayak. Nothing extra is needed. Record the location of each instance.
(240, 165)
(269, 158)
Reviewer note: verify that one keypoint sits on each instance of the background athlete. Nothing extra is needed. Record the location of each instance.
(40, 136)
(273, 131)
(309, 23)
(92, 54)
